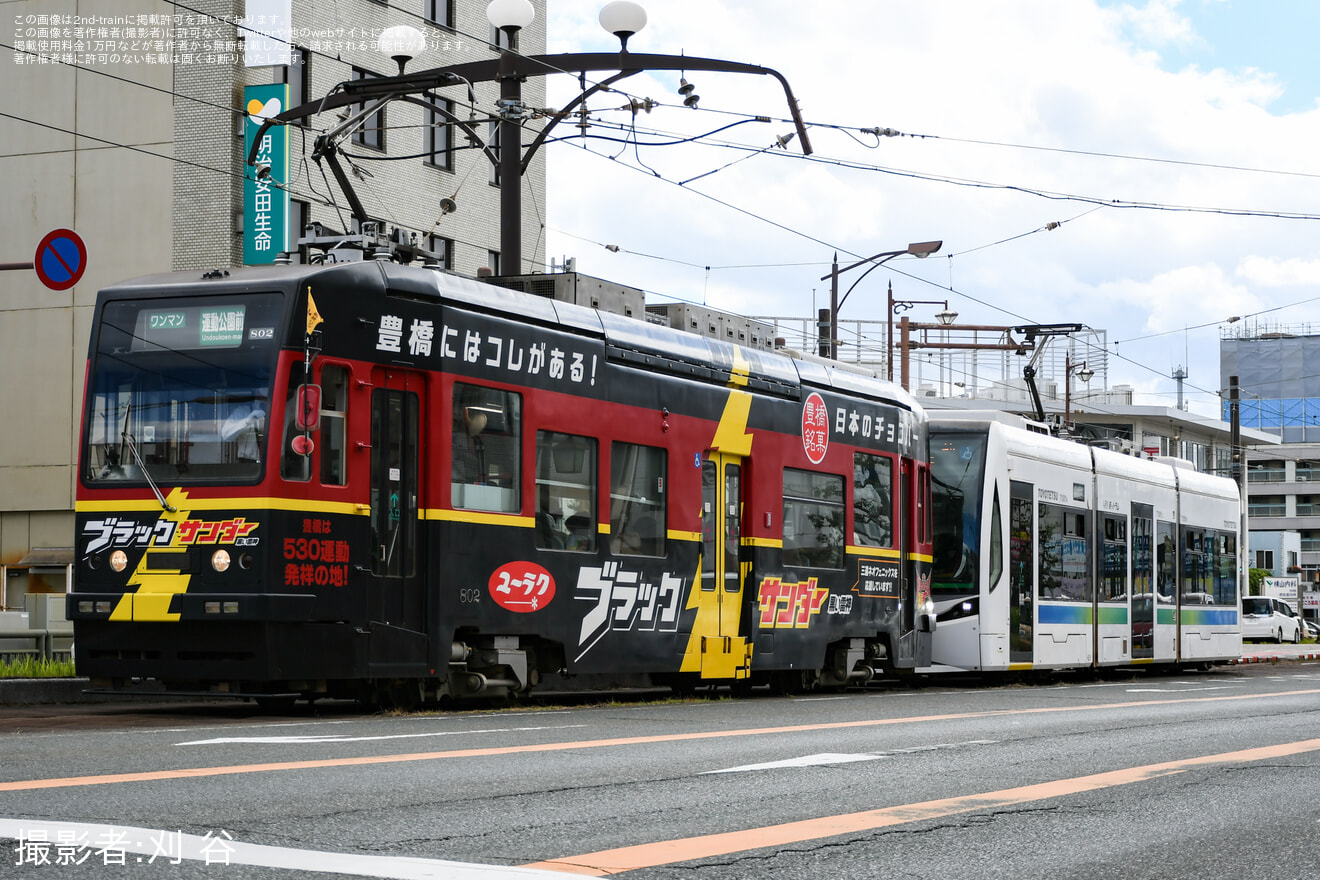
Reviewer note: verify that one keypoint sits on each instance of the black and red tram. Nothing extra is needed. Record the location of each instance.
(390, 483)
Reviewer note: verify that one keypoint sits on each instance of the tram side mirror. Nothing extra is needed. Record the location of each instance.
(307, 408)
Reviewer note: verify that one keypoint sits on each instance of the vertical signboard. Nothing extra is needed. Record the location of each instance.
(265, 201)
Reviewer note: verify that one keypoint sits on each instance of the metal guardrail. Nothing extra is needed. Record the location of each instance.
(19, 639)
(39, 639)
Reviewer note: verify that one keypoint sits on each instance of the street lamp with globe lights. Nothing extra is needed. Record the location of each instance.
(510, 16)
(622, 19)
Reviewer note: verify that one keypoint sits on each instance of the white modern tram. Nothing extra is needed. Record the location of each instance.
(1050, 554)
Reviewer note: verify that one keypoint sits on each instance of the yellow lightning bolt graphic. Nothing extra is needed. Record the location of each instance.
(155, 588)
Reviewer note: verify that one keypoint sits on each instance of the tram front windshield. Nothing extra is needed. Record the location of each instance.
(179, 390)
(957, 463)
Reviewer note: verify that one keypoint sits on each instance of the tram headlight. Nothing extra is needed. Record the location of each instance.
(220, 560)
(928, 606)
(119, 560)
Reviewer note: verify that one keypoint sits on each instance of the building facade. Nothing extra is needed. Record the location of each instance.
(1283, 503)
(1278, 370)
(126, 127)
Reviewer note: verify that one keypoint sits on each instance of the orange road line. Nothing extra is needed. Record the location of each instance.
(667, 852)
(198, 772)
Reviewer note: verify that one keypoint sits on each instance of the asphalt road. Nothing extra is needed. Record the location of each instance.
(1203, 775)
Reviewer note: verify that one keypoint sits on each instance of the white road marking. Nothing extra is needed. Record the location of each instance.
(1179, 690)
(126, 845)
(805, 761)
(339, 738)
(820, 699)
(827, 758)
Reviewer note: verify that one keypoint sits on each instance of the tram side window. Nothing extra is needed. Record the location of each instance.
(637, 499)
(813, 519)
(334, 406)
(1021, 546)
(1226, 569)
(565, 491)
(293, 466)
(1141, 561)
(485, 449)
(1063, 554)
(873, 500)
(1114, 586)
(1166, 560)
(1196, 582)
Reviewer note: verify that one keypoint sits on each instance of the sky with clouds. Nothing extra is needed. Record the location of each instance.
(1173, 143)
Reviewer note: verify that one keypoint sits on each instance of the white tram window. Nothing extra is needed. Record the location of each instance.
(813, 519)
(334, 408)
(485, 461)
(996, 542)
(1226, 564)
(1113, 587)
(1064, 556)
(1166, 562)
(1197, 564)
(637, 499)
(873, 500)
(565, 492)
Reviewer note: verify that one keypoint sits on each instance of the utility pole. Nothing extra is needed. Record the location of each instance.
(1239, 473)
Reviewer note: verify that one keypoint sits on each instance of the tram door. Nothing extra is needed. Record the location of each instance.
(396, 596)
(1143, 582)
(724, 654)
(1167, 627)
(909, 523)
(1021, 573)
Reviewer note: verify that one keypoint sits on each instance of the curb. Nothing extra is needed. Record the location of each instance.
(45, 691)
(34, 691)
(1276, 658)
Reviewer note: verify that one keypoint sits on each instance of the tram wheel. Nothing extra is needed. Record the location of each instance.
(275, 705)
(680, 683)
(400, 694)
(795, 681)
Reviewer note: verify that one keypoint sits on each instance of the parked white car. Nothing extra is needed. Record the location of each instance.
(1264, 617)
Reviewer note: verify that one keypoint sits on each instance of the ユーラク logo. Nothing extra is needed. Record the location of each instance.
(522, 587)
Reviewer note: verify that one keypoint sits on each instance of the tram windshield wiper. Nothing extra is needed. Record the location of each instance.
(127, 439)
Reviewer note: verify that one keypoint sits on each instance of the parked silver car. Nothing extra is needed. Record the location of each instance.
(1264, 617)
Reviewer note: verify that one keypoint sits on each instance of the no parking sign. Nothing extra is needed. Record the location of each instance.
(61, 259)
